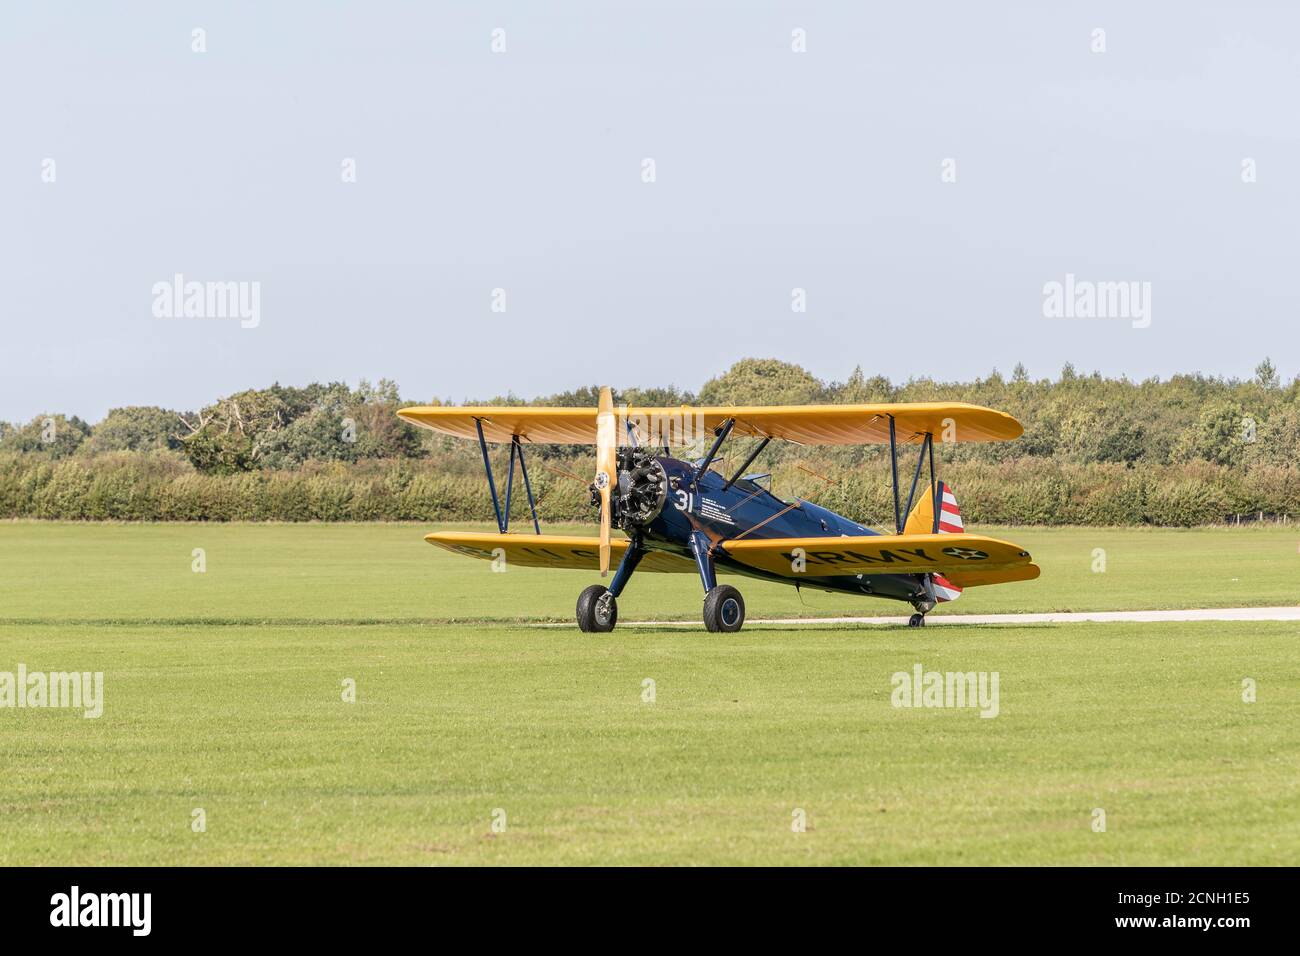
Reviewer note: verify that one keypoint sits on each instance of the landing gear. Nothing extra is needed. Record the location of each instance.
(597, 610)
(923, 601)
(598, 605)
(724, 609)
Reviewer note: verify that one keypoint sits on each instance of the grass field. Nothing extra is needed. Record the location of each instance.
(223, 692)
(386, 572)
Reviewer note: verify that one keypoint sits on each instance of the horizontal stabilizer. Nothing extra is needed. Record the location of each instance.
(973, 579)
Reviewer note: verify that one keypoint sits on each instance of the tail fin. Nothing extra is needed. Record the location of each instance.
(922, 521)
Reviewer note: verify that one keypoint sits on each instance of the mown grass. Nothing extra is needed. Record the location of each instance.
(453, 721)
(377, 572)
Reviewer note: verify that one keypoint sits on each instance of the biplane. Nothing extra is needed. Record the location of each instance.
(682, 515)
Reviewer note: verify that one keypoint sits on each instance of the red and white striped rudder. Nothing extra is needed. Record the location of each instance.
(949, 523)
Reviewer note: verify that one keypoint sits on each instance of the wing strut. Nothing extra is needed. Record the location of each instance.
(926, 445)
(528, 488)
(934, 488)
(893, 464)
(748, 461)
(723, 431)
(516, 450)
(487, 466)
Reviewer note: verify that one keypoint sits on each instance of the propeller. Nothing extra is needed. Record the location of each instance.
(606, 467)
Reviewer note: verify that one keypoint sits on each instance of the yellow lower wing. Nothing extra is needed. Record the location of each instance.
(550, 550)
(950, 554)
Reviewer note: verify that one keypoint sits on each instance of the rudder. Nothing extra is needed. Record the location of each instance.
(922, 520)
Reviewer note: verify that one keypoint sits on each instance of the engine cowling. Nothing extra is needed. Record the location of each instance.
(641, 491)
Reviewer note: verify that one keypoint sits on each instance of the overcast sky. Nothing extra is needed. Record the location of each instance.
(524, 170)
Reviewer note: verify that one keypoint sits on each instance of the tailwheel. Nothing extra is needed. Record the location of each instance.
(916, 620)
(724, 609)
(597, 610)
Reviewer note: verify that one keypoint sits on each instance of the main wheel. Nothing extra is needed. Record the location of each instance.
(597, 610)
(916, 620)
(724, 609)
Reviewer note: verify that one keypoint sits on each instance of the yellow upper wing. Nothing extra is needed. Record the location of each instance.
(550, 550)
(805, 424)
(950, 554)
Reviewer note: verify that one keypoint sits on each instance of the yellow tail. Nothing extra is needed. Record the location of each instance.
(921, 521)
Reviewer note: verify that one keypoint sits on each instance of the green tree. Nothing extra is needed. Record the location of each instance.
(51, 435)
(762, 382)
(860, 390)
(1266, 375)
(136, 428)
(379, 432)
(1277, 439)
(237, 433)
(1217, 435)
(666, 397)
(323, 432)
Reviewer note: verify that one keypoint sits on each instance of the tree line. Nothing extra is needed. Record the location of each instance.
(1191, 449)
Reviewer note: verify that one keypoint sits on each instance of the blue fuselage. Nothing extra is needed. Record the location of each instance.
(746, 509)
